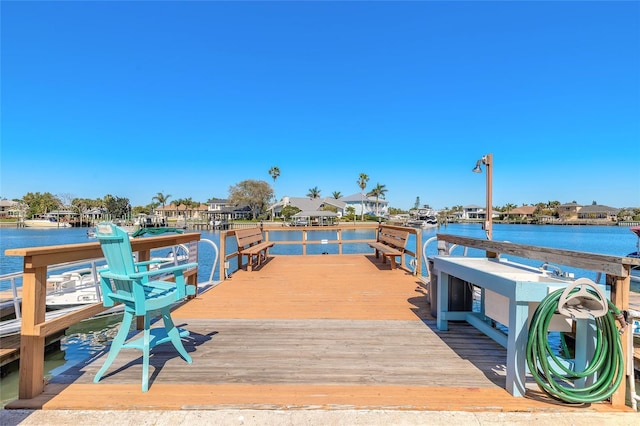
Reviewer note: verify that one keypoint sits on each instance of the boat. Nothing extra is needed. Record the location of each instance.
(635, 271)
(45, 222)
(423, 223)
(81, 286)
(74, 288)
(424, 218)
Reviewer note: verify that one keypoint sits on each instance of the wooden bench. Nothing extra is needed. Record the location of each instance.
(250, 244)
(391, 243)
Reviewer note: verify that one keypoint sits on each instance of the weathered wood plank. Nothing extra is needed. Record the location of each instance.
(314, 352)
(42, 256)
(612, 265)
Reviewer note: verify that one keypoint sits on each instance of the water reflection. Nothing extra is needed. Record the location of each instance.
(80, 342)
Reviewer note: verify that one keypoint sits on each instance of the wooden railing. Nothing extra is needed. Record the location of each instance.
(35, 328)
(414, 253)
(616, 268)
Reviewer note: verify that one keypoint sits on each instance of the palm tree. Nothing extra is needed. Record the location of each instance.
(362, 183)
(161, 198)
(177, 203)
(314, 192)
(444, 214)
(509, 207)
(336, 194)
(379, 191)
(275, 173)
(189, 204)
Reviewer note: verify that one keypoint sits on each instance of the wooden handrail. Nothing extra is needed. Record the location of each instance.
(35, 328)
(610, 265)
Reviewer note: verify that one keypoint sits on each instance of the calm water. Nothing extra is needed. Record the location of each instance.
(91, 336)
(613, 240)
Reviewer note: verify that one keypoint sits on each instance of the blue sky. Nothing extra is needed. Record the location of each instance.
(190, 98)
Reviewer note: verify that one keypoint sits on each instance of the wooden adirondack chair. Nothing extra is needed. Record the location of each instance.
(132, 284)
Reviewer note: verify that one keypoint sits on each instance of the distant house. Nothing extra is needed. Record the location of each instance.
(199, 212)
(169, 211)
(222, 210)
(217, 205)
(474, 212)
(357, 200)
(181, 211)
(568, 211)
(471, 211)
(215, 209)
(11, 209)
(239, 212)
(597, 212)
(307, 204)
(340, 205)
(521, 213)
(574, 212)
(219, 210)
(5, 206)
(95, 214)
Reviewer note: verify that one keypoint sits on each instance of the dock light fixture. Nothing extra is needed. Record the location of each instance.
(487, 160)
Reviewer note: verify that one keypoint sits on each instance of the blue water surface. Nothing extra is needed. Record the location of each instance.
(610, 240)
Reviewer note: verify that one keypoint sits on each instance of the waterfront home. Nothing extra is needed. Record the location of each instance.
(576, 212)
(361, 205)
(306, 204)
(12, 209)
(522, 213)
(173, 212)
(568, 211)
(474, 212)
(95, 214)
(599, 212)
(360, 202)
(219, 209)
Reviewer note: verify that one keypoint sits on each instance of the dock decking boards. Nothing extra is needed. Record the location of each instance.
(308, 332)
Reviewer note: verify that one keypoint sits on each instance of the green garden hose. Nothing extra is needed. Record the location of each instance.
(557, 380)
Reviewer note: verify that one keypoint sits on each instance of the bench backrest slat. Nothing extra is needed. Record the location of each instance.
(393, 237)
(248, 237)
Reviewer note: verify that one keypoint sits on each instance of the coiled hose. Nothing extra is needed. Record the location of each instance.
(557, 380)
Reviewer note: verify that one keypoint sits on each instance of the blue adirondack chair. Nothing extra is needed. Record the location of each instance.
(132, 284)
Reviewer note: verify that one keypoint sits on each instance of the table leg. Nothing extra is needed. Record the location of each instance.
(443, 301)
(517, 348)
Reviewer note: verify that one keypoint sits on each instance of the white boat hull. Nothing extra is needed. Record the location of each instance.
(79, 287)
(44, 223)
(422, 224)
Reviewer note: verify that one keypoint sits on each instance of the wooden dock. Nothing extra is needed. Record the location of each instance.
(309, 332)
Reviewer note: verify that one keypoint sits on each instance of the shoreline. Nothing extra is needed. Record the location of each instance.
(564, 223)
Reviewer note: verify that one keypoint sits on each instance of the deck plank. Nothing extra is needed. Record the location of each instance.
(309, 332)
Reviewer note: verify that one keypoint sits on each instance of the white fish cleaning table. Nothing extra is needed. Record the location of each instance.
(510, 292)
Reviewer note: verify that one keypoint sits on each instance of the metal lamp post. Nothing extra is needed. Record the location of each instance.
(487, 160)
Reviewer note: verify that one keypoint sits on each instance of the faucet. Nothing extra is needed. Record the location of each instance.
(546, 266)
